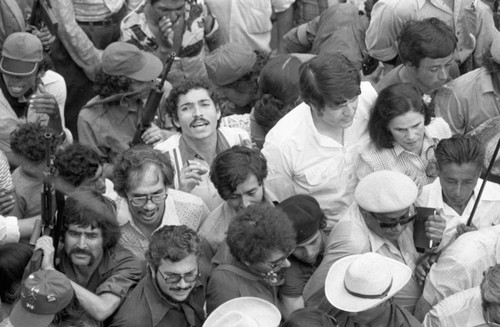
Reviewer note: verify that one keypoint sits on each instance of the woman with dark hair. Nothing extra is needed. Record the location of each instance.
(459, 165)
(403, 135)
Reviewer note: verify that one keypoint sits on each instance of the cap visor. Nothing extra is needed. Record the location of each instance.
(19, 317)
(338, 296)
(17, 67)
(151, 70)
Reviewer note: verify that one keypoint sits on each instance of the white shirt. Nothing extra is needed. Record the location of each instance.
(303, 161)
(462, 309)
(9, 230)
(462, 264)
(487, 213)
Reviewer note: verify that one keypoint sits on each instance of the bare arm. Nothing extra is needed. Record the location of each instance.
(99, 307)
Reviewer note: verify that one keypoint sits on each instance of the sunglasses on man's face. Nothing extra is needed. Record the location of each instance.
(403, 220)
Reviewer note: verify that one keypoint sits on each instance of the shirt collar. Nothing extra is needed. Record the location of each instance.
(486, 83)
(188, 153)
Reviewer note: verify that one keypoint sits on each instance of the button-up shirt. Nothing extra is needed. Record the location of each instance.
(468, 17)
(303, 161)
(468, 101)
(462, 309)
(462, 264)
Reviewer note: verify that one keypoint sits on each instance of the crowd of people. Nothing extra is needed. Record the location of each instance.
(307, 163)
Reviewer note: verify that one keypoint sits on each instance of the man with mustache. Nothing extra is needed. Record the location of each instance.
(196, 116)
(238, 175)
(173, 291)
(101, 271)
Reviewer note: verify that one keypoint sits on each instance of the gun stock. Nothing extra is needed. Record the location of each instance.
(154, 97)
(42, 15)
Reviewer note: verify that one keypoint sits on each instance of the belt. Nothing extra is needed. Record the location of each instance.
(113, 19)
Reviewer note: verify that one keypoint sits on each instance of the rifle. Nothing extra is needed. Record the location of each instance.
(154, 97)
(42, 15)
(46, 225)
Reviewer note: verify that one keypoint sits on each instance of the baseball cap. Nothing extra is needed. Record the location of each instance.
(125, 59)
(43, 294)
(305, 213)
(21, 54)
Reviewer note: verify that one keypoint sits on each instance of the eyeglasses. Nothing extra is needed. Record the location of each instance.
(175, 278)
(488, 319)
(333, 321)
(403, 220)
(139, 201)
(279, 262)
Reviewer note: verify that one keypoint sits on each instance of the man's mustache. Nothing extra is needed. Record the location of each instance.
(197, 120)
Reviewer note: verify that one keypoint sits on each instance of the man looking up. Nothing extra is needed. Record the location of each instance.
(173, 291)
(426, 49)
(101, 271)
(314, 148)
(29, 92)
(238, 174)
(195, 115)
(143, 178)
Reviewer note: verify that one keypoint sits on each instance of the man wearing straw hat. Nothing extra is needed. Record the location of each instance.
(360, 288)
(245, 312)
(381, 221)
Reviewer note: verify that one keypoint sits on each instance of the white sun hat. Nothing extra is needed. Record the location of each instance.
(360, 282)
(245, 312)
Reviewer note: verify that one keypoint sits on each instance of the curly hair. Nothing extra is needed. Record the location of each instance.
(76, 163)
(460, 149)
(28, 140)
(490, 287)
(106, 85)
(233, 166)
(172, 243)
(394, 101)
(14, 257)
(258, 230)
(329, 79)
(86, 208)
(182, 89)
(131, 165)
(248, 83)
(426, 38)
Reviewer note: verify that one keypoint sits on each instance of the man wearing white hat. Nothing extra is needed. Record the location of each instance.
(380, 221)
(472, 98)
(245, 312)
(360, 288)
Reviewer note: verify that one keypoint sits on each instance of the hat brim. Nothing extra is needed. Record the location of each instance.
(338, 296)
(17, 67)
(264, 312)
(20, 317)
(151, 69)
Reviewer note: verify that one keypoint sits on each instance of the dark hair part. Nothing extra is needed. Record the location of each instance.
(259, 229)
(14, 257)
(426, 38)
(489, 63)
(134, 162)
(76, 163)
(171, 104)
(172, 243)
(328, 79)
(86, 208)
(460, 149)
(309, 317)
(279, 90)
(394, 101)
(107, 85)
(490, 287)
(233, 166)
(248, 83)
(29, 140)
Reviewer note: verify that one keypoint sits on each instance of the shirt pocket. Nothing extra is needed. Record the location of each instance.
(256, 16)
